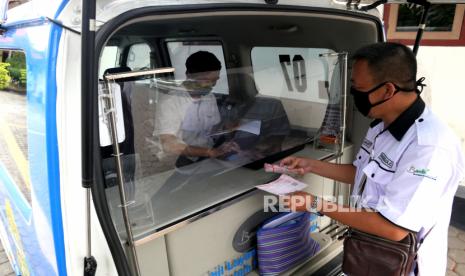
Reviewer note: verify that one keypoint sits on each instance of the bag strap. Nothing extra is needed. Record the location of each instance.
(424, 237)
(363, 182)
(416, 270)
(361, 188)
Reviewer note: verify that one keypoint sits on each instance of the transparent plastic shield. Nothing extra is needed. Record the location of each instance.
(190, 145)
(310, 84)
(117, 103)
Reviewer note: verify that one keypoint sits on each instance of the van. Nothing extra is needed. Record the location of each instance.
(90, 181)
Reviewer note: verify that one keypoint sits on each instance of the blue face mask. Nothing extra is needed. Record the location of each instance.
(197, 90)
(200, 92)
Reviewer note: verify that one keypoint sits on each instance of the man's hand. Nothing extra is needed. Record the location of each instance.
(223, 149)
(297, 165)
(298, 201)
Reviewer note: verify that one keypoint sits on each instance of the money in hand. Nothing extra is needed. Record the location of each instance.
(275, 168)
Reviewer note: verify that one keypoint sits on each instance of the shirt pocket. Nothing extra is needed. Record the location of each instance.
(378, 177)
(211, 119)
(361, 157)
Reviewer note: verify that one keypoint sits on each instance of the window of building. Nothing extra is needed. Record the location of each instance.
(444, 25)
(440, 18)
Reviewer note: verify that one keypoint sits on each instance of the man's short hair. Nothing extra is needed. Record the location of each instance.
(391, 62)
(202, 61)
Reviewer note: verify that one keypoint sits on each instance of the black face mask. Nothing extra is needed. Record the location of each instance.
(362, 101)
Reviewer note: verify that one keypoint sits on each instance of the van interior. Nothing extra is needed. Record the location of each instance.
(281, 91)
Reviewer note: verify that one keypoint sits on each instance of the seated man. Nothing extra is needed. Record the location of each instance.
(186, 116)
(185, 119)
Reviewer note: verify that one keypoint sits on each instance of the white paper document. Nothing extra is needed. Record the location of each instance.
(283, 185)
(252, 126)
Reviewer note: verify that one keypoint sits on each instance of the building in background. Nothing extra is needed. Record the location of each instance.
(441, 56)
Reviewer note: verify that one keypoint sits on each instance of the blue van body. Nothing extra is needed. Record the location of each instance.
(34, 231)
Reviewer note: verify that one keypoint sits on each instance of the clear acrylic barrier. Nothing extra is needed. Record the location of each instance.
(188, 147)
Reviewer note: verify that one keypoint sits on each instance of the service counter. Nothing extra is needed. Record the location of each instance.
(201, 218)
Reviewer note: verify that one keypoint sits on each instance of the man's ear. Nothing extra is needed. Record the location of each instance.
(390, 90)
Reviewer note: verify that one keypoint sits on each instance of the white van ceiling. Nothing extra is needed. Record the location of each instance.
(405, 1)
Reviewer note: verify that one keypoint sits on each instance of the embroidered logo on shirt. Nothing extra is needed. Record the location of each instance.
(367, 143)
(420, 172)
(385, 160)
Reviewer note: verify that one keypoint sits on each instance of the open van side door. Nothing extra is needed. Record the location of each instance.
(3, 11)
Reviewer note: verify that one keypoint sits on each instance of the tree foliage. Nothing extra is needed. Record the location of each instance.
(5, 78)
(17, 68)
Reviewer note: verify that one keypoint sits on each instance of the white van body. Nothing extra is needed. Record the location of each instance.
(52, 238)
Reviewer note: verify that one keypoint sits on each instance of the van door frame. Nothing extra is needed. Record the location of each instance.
(92, 171)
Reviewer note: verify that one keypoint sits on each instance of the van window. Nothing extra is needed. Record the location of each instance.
(139, 57)
(14, 157)
(179, 51)
(109, 59)
(293, 73)
(300, 78)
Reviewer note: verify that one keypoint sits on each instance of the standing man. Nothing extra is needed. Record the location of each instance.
(410, 162)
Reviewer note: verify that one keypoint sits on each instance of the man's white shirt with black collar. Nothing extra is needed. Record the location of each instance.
(413, 168)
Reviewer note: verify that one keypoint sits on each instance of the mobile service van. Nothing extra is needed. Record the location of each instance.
(83, 167)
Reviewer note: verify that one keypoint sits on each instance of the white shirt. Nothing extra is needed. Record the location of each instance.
(189, 119)
(413, 169)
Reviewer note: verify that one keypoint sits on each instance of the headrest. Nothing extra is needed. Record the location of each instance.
(246, 85)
